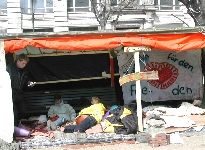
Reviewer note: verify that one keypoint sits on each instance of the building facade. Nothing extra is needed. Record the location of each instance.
(21, 16)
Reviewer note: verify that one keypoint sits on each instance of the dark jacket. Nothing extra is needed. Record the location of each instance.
(19, 80)
(125, 116)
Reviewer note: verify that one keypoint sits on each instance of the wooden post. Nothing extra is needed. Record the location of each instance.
(138, 93)
(112, 72)
(136, 51)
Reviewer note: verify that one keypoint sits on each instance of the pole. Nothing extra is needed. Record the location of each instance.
(32, 11)
(138, 93)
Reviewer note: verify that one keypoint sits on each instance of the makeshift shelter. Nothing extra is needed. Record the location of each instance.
(177, 40)
(171, 40)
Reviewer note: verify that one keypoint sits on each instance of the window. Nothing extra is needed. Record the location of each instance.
(82, 5)
(84, 29)
(79, 5)
(3, 6)
(167, 4)
(38, 6)
(114, 3)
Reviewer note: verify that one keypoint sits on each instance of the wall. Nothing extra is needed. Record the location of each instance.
(6, 109)
(180, 75)
(16, 17)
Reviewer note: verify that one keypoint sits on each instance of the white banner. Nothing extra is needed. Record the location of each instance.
(6, 107)
(180, 75)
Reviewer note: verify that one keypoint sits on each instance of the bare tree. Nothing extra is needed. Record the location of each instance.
(105, 9)
(196, 9)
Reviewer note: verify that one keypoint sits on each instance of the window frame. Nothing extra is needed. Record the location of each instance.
(44, 8)
(74, 8)
(174, 6)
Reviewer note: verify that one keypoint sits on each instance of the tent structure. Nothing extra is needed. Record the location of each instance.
(177, 40)
(171, 40)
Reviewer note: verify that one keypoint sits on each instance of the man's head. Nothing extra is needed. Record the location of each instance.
(95, 100)
(22, 60)
(57, 98)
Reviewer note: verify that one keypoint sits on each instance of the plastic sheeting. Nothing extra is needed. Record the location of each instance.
(169, 42)
(69, 67)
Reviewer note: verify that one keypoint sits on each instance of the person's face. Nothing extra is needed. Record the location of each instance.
(93, 101)
(21, 63)
(58, 101)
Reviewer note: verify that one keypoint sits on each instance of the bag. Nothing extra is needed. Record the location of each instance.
(81, 118)
(54, 118)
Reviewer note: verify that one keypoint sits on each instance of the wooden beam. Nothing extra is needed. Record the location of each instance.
(81, 79)
(137, 49)
(112, 72)
(60, 53)
(136, 77)
(150, 75)
(138, 94)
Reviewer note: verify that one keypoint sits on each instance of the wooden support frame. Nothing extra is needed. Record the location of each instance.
(138, 94)
(112, 71)
(136, 51)
(81, 79)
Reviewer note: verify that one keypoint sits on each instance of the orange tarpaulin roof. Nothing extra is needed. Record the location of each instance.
(172, 42)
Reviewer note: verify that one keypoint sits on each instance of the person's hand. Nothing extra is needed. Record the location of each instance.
(31, 84)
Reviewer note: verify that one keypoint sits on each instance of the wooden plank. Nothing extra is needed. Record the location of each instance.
(59, 9)
(13, 26)
(26, 16)
(60, 14)
(38, 16)
(14, 5)
(14, 20)
(49, 15)
(82, 15)
(61, 19)
(17, 10)
(71, 80)
(14, 30)
(14, 15)
(3, 17)
(150, 75)
(37, 24)
(88, 22)
(138, 48)
(61, 29)
(43, 16)
(61, 24)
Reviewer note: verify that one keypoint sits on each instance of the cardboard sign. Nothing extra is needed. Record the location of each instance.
(150, 75)
(180, 75)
